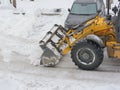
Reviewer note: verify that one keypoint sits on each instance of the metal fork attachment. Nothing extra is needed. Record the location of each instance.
(51, 50)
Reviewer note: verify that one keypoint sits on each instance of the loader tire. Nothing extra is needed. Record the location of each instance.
(87, 55)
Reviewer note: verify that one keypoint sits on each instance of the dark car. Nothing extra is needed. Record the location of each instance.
(83, 10)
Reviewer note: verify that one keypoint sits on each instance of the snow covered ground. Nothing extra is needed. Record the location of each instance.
(20, 52)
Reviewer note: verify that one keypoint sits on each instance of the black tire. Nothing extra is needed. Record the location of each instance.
(87, 55)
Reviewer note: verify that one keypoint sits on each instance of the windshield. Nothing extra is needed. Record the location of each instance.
(84, 8)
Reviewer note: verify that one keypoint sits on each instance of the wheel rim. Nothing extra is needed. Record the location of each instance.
(85, 56)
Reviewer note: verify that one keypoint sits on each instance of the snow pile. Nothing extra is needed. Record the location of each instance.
(14, 33)
(21, 33)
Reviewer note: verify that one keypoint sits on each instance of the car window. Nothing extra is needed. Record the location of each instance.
(83, 8)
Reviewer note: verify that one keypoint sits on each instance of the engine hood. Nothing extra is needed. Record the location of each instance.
(73, 20)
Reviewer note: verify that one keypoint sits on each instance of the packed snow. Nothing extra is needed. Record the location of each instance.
(20, 32)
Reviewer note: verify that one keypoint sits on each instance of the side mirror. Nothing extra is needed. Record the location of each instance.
(69, 10)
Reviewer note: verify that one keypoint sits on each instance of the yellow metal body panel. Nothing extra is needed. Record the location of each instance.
(113, 49)
(98, 26)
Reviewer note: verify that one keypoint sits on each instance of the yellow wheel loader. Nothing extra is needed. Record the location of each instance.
(86, 44)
